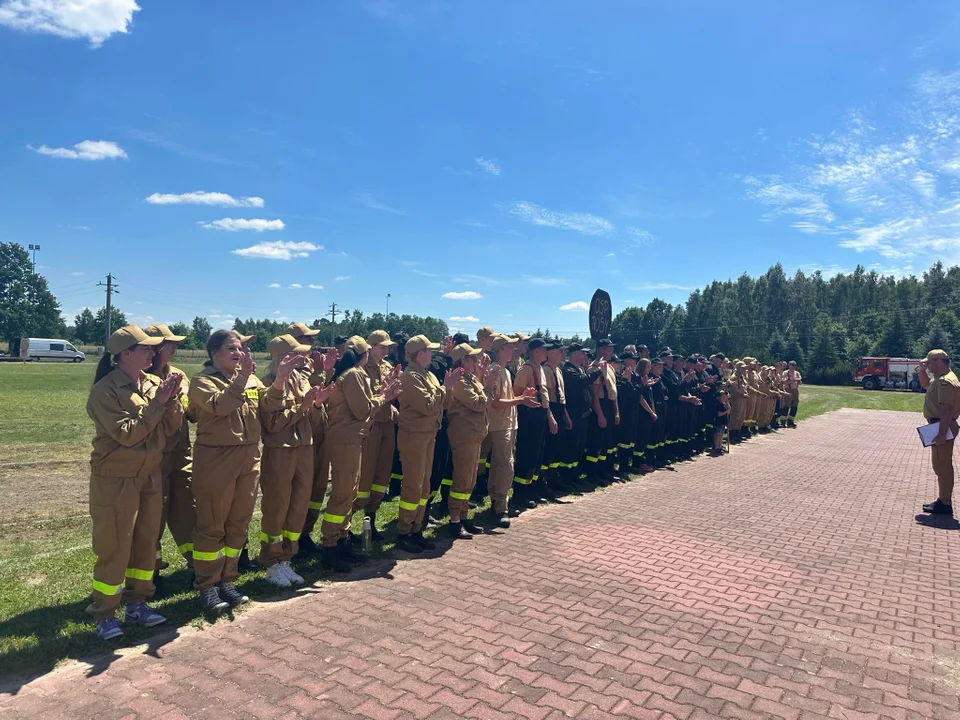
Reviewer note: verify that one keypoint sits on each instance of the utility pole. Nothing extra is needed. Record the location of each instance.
(33, 247)
(111, 288)
(388, 304)
(333, 313)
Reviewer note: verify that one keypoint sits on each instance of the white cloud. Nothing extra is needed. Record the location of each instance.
(662, 286)
(468, 295)
(274, 285)
(471, 278)
(93, 20)
(86, 150)
(545, 281)
(885, 187)
(278, 250)
(201, 197)
(295, 286)
(578, 305)
(465, 318)
(488, 166)
(580, 222)
(610, 255)
(634, 239)
(234, 224)
(368, 200)
(474, 223)
(78, 273)
(315, 287)
(340, 278)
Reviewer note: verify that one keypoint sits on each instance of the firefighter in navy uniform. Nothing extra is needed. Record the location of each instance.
(577, 381)
(671, 386)
(558, 425)
(658, 455)
(531, 427)
(628, 399)
(441, 474)
(397, 357)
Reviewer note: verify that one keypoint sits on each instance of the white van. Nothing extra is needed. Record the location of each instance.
(38, 349)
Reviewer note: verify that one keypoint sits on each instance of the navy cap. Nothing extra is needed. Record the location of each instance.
(574, 347)
(676, 357)
(536, 343)
(629, 355)
(556, 345)
(657, 361)
(460, 338)
(340, 340)
(399, 337)
(606, 342)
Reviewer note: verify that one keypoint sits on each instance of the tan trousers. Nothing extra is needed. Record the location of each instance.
(794, 398)
(500, 478)
(126, 517)
(375, 465)
(225, 490)
(942, 457)
(344, 480)
(321, 478)
(416, 456)
(465, 458)
(286, 480)
(738, 411)
(753, 403)
(179, 512)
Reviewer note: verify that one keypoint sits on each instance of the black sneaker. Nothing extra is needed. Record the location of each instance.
(244, 563)
(420, 540)
(513, 512)
(346, 550)
(307, 547)
(231, 595)
(503, 520)
(408, 544)
(458, 532)
(330, 557)
(211, 602)
(938, 508)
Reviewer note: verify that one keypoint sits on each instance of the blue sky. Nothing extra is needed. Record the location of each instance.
(488, 163)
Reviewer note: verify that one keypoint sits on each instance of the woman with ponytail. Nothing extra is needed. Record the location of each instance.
(133, 419)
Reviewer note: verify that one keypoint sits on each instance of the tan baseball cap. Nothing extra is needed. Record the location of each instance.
(501, 340)
(380, 337)
(159, 330)
(128, 336)
(300, 329)
(464, 350)
(246, 339)
(285, 344)
(357, 344)
(485, 332)
(938, 355)
(418, 343)
(520, 336)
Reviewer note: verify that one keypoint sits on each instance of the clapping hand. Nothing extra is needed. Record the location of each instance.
(169, 388)
(452, 377)
(392, 389)
(530, 397)
(330, 358)
(247, 365)
(446, 345)
(289, 363)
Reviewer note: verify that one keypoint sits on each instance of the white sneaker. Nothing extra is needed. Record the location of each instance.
(276, 576)
(291, 573)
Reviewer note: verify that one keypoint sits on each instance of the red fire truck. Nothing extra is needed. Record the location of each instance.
(877, 373)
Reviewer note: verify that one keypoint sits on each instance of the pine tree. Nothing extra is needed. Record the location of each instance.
(85, 328)
(893, 342)
(776, 347)
(823, 353)
(792, 349)
(201, 330)
(936, 338)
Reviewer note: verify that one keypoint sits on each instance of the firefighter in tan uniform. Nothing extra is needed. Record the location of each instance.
(133, 419)
(286, 469)
(791, 384)
(941, 404)
(380, 442)
(739, 400)
(523, 345)
(179, 513)
(421, 410)
(225, 399)
(351, 410)
(467, 426)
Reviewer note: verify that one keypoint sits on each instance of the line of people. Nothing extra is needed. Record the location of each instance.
(329, 434)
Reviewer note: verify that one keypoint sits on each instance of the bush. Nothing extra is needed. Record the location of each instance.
(839, 374)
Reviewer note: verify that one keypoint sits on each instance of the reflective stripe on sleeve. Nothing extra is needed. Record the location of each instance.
(335, 519)
(460, 496)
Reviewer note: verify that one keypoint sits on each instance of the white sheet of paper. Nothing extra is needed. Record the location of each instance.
(929, 432)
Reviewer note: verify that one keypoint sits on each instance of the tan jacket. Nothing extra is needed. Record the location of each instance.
(609, 379)
(502, 389)
(227, 411)
(131, 426)
(422, 400)
(377, 372)
(531, 375)
(179, 440)
(467, 420)
(555, 388)
(291, 425)
(351, 408)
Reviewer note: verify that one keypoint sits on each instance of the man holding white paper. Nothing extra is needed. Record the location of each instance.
(942, 405)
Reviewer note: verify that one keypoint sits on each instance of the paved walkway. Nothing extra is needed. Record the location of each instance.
(787, 580)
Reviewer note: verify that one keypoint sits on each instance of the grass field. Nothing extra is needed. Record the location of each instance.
(45, 557)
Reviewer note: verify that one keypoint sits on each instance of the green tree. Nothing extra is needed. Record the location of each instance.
(201, 330)
(935, 338)
(85, 328)
(893, 342)
(27, 307)
(776, 346)
(792, 349)
(823, 352)
(117, 321)
(181, 328)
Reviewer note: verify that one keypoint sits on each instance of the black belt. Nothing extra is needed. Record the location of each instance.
(932, 420)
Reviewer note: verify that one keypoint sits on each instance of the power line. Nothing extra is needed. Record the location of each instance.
(111, 288)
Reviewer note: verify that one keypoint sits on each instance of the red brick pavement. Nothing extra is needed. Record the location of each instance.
(787, 580)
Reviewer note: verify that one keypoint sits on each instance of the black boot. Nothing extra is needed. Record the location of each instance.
(470, 527)
(244, 563)
(307, 547)
(503, 520)
(420, 540)
(428, 519)
(330, 556)
(348, 553)
(458, 532)
(408, 544)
